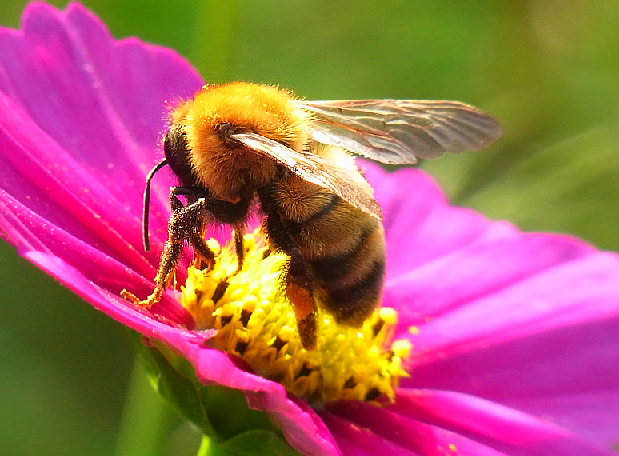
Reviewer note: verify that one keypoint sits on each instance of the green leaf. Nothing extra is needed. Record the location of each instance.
(176, 387)
(257, 441)
(228, 412)
(221, 413)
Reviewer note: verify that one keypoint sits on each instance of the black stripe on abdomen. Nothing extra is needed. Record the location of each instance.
(355, 302)
(353, 280)
(296, 226)
(333, 266)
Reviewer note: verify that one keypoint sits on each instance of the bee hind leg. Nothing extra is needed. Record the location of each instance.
(297, 280)
(299, 291)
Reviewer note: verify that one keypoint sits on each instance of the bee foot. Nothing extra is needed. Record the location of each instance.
(146, 303)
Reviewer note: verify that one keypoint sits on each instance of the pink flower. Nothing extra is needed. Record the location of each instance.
(514, 335)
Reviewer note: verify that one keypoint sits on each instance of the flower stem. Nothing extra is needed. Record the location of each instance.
(144, 424)
(209, 448)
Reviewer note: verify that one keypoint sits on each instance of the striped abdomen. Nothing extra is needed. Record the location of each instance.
(343, 246)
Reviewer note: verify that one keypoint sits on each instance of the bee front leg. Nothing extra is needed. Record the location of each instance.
(297, 280)
(185, 224)
(204, 258)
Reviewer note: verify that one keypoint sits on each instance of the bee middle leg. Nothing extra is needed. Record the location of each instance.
(239, 231)
(234, 214)
(297, 280)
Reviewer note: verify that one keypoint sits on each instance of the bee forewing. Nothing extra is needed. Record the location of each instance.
(400, 131)
(345, 182)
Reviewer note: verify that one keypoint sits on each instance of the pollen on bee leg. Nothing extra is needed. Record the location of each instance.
(256, 321)
(303, 302)
(304, 310)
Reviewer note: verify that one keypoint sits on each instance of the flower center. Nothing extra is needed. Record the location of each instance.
(255, 321)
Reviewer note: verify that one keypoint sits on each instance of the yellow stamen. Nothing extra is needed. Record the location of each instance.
(256, 322)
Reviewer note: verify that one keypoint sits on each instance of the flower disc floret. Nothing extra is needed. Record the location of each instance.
(255, 321)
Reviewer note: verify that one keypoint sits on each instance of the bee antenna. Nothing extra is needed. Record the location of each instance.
(150, 175)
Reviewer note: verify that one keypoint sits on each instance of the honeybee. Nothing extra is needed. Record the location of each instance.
(236, 143)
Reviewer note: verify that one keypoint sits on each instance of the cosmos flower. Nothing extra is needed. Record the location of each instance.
(513, 335)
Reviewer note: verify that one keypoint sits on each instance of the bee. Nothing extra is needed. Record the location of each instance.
(238, 143)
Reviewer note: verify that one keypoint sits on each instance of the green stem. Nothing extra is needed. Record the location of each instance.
(144, 423)
(209, 448)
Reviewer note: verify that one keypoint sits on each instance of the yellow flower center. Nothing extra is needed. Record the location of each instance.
(255, 321)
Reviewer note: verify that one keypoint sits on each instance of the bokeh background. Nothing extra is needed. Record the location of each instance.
(548, 69)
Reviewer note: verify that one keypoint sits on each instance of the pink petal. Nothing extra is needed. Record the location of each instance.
(498, 427)
(497, 260)
(419, 224)
(356, 441)
(498, 306)
(31, 183)
(548, 339)
(361, 428)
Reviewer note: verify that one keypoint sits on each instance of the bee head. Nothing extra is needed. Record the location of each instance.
(177, 154)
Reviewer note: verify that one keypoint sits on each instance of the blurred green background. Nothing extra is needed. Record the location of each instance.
(548, 69)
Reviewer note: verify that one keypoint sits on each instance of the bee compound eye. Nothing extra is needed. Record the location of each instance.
(177, 154)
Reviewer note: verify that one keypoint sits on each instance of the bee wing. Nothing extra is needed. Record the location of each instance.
(400, 131)
(345, 182)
